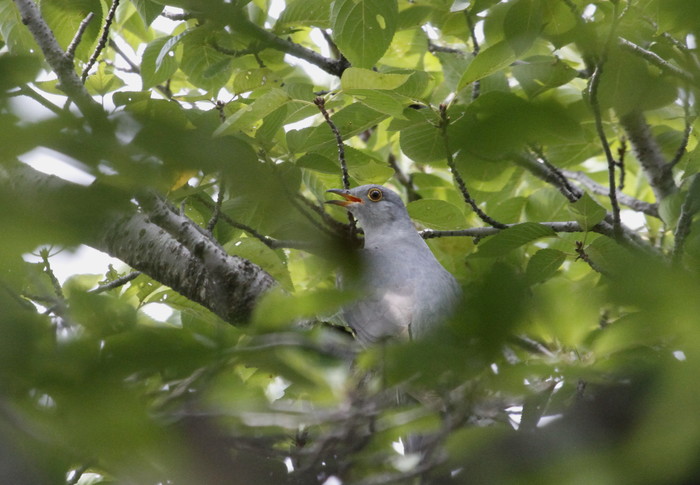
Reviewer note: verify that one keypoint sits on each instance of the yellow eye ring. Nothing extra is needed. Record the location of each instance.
(374, 194)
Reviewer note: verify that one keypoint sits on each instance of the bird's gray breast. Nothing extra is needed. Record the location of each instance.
(406, 292)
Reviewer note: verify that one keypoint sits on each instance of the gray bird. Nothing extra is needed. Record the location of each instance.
(406, 291)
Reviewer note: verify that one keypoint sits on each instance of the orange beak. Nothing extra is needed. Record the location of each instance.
(349, 199)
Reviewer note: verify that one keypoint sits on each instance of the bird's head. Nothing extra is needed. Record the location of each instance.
(374, 206)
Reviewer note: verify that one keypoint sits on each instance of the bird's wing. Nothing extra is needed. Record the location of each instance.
(382, 314)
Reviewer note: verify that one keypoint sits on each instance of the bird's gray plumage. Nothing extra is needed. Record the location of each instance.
(406, 291)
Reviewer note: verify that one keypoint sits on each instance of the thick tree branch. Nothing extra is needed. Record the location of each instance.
(61, 63)
(649, 154)
(186, 260)
(690, 207)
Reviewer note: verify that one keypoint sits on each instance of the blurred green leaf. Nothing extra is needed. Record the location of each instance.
(539, 74)
(278, 310)
(522, 24)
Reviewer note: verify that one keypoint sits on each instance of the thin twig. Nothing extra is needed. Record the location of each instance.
(481, 232)
(121, 281)
(621, 152)
(403, 179)
(689, 119)
(624, 199)
(433, 47)
(593, 85)
(28, 91)
(164, 90)
(69, 82)
(217, 209)
(443, 125)
(44, 254)
(327, 219)
(583, 256)
(70, 51)
(321, 103)
(570, 192)
(656, 60)
(102, 42)
(476, 85)
(234, 52)
(267, 240)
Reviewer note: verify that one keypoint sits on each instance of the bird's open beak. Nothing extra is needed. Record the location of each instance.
(349, 199)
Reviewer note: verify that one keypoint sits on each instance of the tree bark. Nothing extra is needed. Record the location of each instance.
(648, 152)
(198, 268)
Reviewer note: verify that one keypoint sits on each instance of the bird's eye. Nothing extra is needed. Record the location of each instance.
(375, 195)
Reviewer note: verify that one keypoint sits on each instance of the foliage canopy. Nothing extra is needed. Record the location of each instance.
(547, 148)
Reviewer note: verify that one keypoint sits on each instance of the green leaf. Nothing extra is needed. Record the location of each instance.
(421, 141)
(544, 264)
(64, 18)
(512, 238)
(13, 32)
(358, 78)
(385, 102)
(305, 12)
(499, 123)
(491, 59)
(539, 74)
(350, 121)
(317, 163)
(278, 310)
(628, 83)
(252, 79)
(251, 114)
(587, 212)
(609, 255)
(365, 168)
(157, 64)
(363, 29)
(169, 45)
(17, 70)
(437, 214)
(522, 24)
(204, 66)
(412, 16)
(103, 81)
(148, 10)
